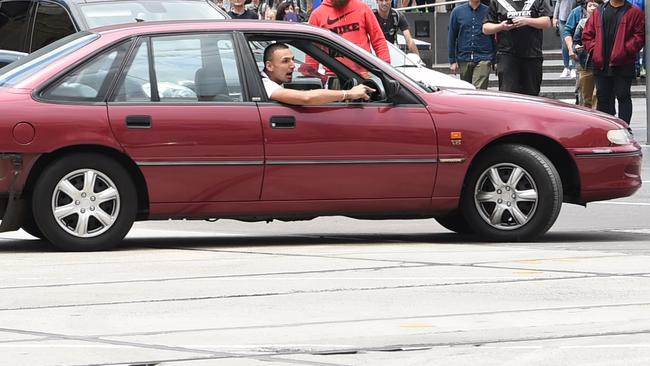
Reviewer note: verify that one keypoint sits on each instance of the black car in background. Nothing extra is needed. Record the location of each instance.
(27, 25)
(7, 57)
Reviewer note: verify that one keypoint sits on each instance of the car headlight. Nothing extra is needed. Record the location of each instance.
(620, 137)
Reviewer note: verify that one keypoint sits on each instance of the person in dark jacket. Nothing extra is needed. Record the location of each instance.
(470, 51)
(613, 35)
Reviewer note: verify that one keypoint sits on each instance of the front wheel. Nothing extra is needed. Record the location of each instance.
(84, 202)
(513, 193)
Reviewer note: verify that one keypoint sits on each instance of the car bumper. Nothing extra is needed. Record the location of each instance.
(608, 173)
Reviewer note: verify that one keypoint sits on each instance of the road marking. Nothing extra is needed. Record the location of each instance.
(622, 203)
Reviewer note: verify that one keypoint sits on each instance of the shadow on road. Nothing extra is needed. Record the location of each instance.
(565, 239)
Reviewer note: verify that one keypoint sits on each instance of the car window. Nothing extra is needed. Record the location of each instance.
(99, 14)
(14, 17)
(188, 68)
(90, 81)
(131, 87)
(318, 66)
(51, 23)
(19, 70)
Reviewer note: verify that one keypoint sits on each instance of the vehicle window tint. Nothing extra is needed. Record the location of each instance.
(52, 23)
(90, 81)
(194, 68)
(135, 85)
(29, 65)
(13, 25)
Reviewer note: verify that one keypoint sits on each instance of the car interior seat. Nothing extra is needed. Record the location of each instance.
(210, 85)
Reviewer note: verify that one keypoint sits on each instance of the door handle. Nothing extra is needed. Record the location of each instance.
(283, 122)
(138, 121)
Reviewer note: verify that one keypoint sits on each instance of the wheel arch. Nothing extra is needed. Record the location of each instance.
(134, 172)
(553, 150)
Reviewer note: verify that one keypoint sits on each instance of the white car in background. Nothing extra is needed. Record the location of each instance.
(412, 66)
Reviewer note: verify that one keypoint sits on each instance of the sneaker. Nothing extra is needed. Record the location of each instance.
(573, 73)
(565, 73)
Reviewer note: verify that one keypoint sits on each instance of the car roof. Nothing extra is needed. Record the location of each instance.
(211, 25)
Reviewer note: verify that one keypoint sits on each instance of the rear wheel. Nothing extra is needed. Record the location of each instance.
(513, 193)
(84, 202)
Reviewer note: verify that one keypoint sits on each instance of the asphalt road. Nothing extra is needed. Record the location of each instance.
(336, 291)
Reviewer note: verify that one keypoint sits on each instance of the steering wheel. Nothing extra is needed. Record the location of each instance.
(379, 94)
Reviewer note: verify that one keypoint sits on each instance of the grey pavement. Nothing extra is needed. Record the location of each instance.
(336, 291)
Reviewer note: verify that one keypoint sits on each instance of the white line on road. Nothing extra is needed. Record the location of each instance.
(622, 203)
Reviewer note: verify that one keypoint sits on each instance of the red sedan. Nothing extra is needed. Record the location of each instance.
(171, 120)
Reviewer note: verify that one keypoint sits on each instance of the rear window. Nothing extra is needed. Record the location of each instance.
(17, 71)
(100, 14)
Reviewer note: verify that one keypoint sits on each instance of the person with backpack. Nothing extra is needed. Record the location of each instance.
(391, 21)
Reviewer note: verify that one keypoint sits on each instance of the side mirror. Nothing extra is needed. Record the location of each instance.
(415, 58)
(392, 88)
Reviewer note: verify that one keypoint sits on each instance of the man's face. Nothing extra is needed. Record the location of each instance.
(591, 7)
(281, 65)
(237, 2)
(339, 3)
(384, 5)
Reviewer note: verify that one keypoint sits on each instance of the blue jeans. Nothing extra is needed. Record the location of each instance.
(568, 63)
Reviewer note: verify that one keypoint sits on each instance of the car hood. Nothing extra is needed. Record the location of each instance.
(434, 78)
(523, 105)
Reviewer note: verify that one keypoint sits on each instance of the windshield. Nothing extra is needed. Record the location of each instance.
(17, 71)
(116, 12)
(376, 59)
(398, 58)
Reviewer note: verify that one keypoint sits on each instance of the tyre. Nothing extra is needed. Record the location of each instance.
(512, 193)
(84, 202)
(455, 222)
(29, 226)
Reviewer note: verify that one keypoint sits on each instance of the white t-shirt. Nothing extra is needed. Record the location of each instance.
(269, 85)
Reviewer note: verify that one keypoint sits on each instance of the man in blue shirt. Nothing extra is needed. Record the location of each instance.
(470, 51)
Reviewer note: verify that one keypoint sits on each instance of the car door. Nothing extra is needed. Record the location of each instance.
(180, 112)
(346, 151)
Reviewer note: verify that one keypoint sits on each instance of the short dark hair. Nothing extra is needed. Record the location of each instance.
(270, 49)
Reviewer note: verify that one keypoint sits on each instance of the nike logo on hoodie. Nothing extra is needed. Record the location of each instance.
(332, 21)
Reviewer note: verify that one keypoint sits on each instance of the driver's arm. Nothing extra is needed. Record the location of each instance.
(320, 96)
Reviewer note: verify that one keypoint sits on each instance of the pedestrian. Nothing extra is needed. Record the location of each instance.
(238, 11)
(519, 27)
(613, 35)
(585, 63)
(640, 63)
(286, 12)
(471, 52)
(354, 21)
(560, 15)
(391, 21)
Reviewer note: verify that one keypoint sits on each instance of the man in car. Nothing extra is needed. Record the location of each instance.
(278, 68)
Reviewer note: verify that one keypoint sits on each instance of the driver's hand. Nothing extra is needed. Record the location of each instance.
(360, 92)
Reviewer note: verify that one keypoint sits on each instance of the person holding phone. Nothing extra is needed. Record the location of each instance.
(519, 27)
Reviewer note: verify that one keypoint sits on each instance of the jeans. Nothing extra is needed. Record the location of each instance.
(610, 87)
(565, 51)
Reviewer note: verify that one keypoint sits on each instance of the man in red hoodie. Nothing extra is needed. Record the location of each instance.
(354, 21)
(613, 36)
